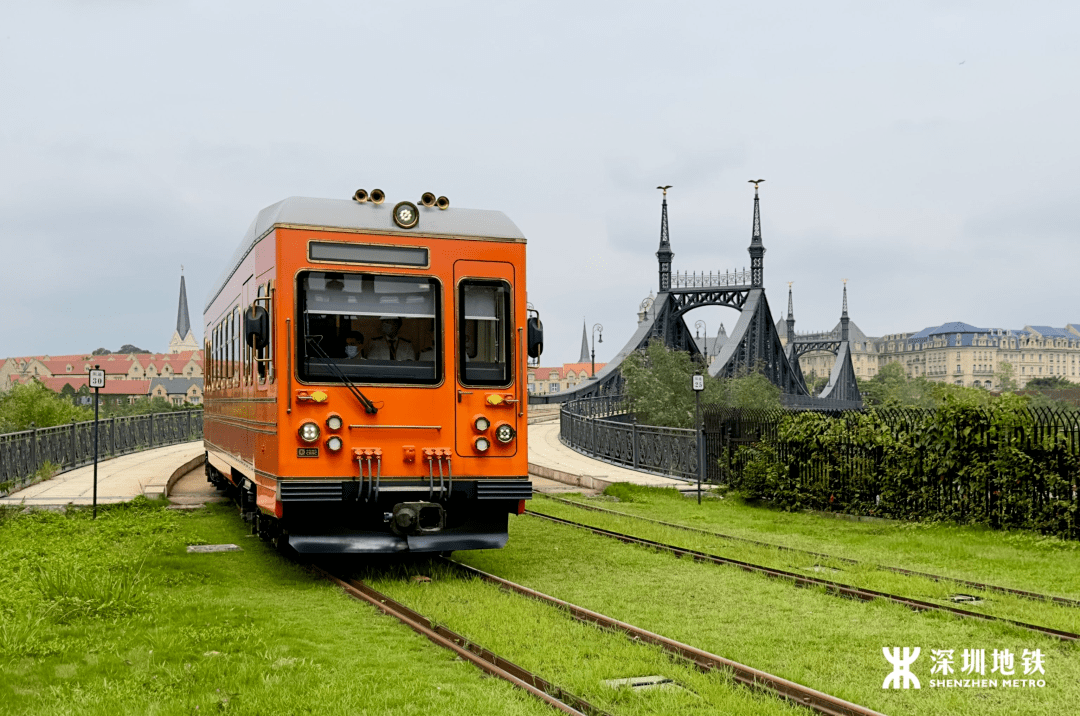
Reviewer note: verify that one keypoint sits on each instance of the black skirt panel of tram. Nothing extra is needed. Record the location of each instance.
(475, 515)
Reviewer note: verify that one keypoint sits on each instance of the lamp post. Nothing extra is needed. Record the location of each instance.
(700, 325)
(596, 327)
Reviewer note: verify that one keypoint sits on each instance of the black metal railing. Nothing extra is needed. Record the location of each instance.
(1019, 468)
(604, 428)
(24, 454)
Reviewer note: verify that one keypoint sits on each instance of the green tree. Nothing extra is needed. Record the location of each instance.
(34, 403)
(1052, 382)
(658, 381)
(1006, 376)
(815, 383)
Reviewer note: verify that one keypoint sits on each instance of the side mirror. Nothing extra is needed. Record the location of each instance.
(536, 336)
(257, 326)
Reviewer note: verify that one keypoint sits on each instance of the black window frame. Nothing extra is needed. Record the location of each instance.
(507, 379)
(398, 376)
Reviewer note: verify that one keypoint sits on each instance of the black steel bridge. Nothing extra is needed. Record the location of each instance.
(753, 345)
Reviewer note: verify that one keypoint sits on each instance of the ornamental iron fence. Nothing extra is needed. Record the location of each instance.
(604, 428)
(1007, 468)
(23, 454)
(1018, 468)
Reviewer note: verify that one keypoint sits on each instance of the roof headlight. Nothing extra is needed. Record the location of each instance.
(334, 443)
(309, 432)
(504, 433)
(482, 444)
(481, 424)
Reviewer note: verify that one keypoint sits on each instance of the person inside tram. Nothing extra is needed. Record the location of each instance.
(354, 344)
(389, 346)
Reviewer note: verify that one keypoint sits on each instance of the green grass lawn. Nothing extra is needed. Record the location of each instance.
(1021, 560)
(831, 644)
(114, 617)
(865, 574)
(578, 657)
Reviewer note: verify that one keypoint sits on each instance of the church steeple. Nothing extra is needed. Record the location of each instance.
(757, 250)
(584, 357)
(664, 254)
(183, 339)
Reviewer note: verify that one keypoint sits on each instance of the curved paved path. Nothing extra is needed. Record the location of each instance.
(119, 478)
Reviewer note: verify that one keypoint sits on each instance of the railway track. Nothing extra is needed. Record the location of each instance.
(1061, 601)
(756, 679)
(486, 660)
(559, 698)
(836, 588)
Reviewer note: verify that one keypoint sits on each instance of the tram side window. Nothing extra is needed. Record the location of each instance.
(485, 333)
(263, 365)
(369, 328)
(236, 346)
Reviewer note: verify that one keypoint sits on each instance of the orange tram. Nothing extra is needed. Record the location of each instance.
(365, 375)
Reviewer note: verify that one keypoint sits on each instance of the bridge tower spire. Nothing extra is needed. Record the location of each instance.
(664, 254)
(790, 314)
(844, 320)
(757, 250)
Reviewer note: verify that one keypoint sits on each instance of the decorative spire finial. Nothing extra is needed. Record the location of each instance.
(664, 254)
(844, 320)
(757, 250)
(790, 314)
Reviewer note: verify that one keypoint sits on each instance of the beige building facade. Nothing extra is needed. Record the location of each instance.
(957, 353)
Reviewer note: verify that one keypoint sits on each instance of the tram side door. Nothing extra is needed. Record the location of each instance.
(483, 352)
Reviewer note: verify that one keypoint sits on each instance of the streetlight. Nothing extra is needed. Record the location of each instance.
(596, 327)
(700, 326)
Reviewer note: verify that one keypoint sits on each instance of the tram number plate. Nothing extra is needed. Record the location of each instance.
(307, 452)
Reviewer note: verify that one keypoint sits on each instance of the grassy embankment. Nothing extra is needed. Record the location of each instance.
(114, 617)
(897, 545)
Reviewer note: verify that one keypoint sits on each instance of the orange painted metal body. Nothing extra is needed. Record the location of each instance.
(252, 420)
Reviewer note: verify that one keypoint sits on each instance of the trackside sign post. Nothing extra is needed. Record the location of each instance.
(698, 385)
(97, 382)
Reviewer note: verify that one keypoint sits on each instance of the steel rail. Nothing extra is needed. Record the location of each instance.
(486, 660)
(837, 588)
(1061, 601)
(746, 675)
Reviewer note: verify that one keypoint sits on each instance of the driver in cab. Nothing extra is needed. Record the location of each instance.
(388, 346)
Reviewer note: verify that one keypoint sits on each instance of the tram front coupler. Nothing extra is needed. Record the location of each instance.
(417, 518)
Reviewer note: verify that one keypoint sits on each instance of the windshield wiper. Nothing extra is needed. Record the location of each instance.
(368, 406)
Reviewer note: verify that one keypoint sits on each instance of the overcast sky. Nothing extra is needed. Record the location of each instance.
(927, 152)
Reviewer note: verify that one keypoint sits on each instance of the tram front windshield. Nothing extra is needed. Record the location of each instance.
(369, 328)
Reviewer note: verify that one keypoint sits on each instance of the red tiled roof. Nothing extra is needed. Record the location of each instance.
(112, 387)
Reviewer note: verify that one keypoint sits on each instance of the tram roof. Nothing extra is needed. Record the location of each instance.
(302, 211)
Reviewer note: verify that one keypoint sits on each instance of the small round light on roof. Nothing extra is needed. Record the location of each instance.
(406, 215)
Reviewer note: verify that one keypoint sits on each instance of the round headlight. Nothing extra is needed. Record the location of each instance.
(482, 444)
(504, 433)
(309, 432)
(334, 443)
(334, 422)
(482, 424)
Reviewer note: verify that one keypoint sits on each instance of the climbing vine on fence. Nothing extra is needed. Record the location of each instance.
(1004, 465)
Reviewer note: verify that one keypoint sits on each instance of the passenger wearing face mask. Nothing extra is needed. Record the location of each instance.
(388, 346)
(354, 342)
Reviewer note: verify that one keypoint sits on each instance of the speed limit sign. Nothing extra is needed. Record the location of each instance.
(97, 378)
(699, 382)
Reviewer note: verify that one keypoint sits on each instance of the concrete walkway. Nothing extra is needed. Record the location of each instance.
(550, 459)
(149, 473)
